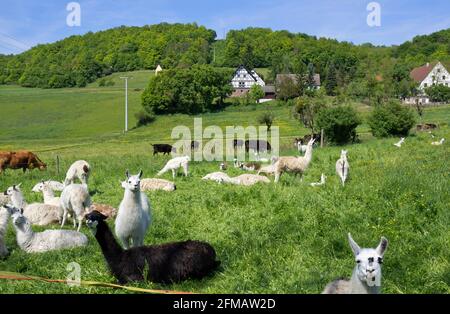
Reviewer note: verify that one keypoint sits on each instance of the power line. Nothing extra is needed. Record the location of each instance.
(16, 40)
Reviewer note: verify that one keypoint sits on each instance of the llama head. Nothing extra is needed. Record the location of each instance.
(368, 261)
(344, 153)
(41, 186)
(17, 217)
(132, 183)
(311, 142)
(93, 219)
(13, 189)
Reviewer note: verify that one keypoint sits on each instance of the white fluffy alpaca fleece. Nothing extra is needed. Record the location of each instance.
(175, 164)
(47, 191)
(4, 217)
(343, 167)
(37, 213)
(157, 185)
(49, 240)
(54, 185)
(79, 169)
(75, 199)
(134, 216)
(217, 177)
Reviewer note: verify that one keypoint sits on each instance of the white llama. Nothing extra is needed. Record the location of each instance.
(134, 216)
(366, 277)
(343, 167)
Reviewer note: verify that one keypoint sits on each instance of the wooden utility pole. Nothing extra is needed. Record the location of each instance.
(126, 101)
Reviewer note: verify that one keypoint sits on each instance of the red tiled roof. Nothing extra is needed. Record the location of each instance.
(420, 73)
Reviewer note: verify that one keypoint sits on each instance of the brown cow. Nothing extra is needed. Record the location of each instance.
(5, 158)
(24, 160)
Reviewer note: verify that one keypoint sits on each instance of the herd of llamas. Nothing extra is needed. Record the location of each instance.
(124, 251)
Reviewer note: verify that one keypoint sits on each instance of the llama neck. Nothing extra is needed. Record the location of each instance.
(361, 287)
(132, 196)
(18, 200)
(24, 234)
(110, 248)
(4, 216)
(308, 154)
(48, 194)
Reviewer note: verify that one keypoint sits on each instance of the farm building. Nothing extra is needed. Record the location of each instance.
(293, 77)
(243, 80)
(428, 75)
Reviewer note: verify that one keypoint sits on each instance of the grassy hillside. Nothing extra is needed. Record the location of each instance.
(286, 238)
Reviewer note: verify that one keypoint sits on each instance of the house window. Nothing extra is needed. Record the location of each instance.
(426, 84)
(443, 77)
(438, 70)
(241, 84)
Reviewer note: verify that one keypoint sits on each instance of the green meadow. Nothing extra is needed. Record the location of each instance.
(285, 238)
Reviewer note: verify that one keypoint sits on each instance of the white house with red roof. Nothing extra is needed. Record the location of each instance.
(428, 75)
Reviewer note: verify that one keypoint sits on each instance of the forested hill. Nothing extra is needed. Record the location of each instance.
(78, 60)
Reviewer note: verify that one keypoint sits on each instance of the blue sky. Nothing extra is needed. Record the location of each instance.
(25, 23)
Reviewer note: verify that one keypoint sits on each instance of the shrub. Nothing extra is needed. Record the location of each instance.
(339, 123)
(391, 119)
(267, 118)
(144, 118)
(306, 110)
(438, 93)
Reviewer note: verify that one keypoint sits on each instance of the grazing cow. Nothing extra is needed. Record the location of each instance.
(257, 145)
(5, 158)
(195, 145)
(163, 148)
(23, 160)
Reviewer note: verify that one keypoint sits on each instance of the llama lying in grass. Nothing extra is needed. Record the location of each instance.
(165, 263)
(49, 240)
(134, 215)
(217, 177)
(268, 170)
(79, 169)
(175, 164)
(343, 167)
(54, 185)
(104, 209)
(244, 179)
(4, 217)
(438, 143)
(4, 199)
(75, 200)
(47, 191)
(296, 165)
(400, 143)
(366, 277)
(323, 179)
(157, 185)
(37, 213)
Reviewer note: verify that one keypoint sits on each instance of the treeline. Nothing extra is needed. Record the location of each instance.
(79, 60)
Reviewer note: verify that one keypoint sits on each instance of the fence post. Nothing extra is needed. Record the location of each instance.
(57, 164)
(321, 138)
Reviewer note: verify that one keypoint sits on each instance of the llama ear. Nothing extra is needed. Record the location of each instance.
(127, 173)
(355, 247)
(140, 174)
(381, 248)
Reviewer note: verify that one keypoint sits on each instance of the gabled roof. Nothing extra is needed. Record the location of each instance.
(252, 73)
(420, 73)
(293, 77)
